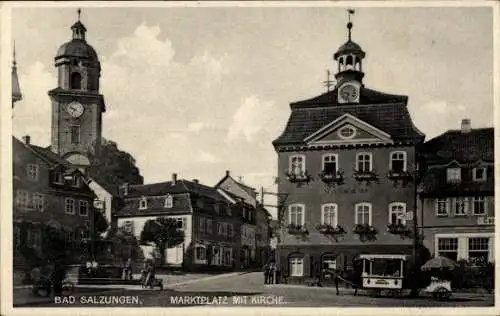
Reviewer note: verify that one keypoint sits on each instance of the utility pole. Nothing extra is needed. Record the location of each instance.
(328, 83)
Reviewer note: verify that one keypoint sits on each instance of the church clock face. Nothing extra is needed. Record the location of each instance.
(75, 109)
(348, 93)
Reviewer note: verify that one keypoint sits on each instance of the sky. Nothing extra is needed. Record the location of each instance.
(198, 91)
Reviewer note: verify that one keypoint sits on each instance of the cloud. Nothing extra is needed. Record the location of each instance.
(437, 116)
(208, 157)
(32, 115)
(251, 117)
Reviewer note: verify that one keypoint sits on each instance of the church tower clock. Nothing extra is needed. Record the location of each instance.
(77, 105)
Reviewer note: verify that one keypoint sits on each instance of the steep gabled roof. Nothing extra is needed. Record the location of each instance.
(244, 187)
(478, 144)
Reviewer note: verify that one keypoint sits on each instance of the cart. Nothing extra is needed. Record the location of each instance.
(439, 289)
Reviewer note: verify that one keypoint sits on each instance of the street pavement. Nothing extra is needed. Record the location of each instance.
(247, 289)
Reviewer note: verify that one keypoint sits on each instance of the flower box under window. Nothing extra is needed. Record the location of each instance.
(331, 230)
(399, 229)
(365, 175)
(297, 229)
(365, 231)
(332, 176)
(399, 175)
(301, 176)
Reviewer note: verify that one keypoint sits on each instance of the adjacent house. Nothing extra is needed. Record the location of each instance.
(255, 232)
(209, 217)
(346, 165)
(457, 193)
(47, 191)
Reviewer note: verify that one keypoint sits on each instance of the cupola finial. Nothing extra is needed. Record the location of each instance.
(79, 11)
(349, 24)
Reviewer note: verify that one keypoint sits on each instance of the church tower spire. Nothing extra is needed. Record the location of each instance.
(16, 90)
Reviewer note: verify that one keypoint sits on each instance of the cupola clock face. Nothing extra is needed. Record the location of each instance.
(75, 109)
(348, 93)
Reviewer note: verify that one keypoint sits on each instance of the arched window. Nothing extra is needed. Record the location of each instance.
(350, 62)
(143, 204)
(397, 213)
(76, 81)
(398, 161)
(363, 213)
(330, 163)
(329, 214)
(364, 162)
(296, 214)
(169, 201)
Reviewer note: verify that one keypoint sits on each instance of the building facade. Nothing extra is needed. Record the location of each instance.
(346, 163)
(47, 192)
(456, 194)
(255, 232)
(210, 218)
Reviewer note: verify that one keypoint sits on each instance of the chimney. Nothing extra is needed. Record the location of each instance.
(174, 178)
(227, 173)
(196, 181)
(466, 126)
(123, 190)
(27, 139)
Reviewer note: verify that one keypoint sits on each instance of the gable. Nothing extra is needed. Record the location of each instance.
(348, 129)
(233, 187)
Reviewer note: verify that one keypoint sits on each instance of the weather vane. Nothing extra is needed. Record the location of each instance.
(79, 11)
(349, 24)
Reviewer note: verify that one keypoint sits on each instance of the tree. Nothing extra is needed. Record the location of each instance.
(124, 245)
(110, 165)
(162, 233)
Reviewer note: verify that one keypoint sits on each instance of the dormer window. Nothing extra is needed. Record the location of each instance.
(454, 175)
(169, 201)
(57, 177)
(75, 181)
(479, 174)
(143, 204)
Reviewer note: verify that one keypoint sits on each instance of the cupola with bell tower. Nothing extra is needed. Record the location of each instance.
(349, 76)
(77, 105)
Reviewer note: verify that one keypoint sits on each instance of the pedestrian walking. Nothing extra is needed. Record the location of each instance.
(272, 271)
(266, 273)
(336, 279)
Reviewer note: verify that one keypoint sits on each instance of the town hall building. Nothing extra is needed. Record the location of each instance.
(346, 170)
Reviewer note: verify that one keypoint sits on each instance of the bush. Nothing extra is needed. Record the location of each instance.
(474, 274)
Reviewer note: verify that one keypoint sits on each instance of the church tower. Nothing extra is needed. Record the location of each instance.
(77, 105)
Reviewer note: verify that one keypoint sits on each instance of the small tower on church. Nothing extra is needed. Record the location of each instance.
(349, 58)
(77, 105)
(16, 90)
